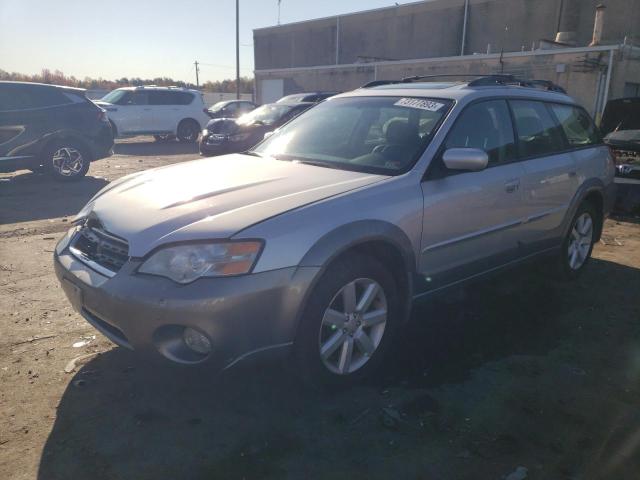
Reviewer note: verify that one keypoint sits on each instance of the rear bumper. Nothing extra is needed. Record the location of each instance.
(102, 144)
(609, 200)
(242, 316)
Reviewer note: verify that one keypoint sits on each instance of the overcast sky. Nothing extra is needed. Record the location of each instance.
(143, 38)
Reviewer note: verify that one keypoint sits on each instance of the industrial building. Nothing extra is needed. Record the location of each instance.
(591, 49)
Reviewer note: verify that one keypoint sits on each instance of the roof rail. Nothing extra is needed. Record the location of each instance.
(484, 80)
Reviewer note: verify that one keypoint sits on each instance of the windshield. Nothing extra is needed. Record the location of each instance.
(114, 96)
(267, 114)
(218, 106)
(377, 134)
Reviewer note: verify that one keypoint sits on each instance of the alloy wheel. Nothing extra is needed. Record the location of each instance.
(352, 326)
(580, 241)
(67, 161)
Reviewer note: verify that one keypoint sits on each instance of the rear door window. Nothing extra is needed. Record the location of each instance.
(25, 97)
(486, 126)
(578, 128)
(160, 97)
(538, 133)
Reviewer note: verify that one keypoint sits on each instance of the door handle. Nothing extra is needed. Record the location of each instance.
(512, 185)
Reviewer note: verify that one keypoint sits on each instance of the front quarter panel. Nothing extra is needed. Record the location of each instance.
(314, 234)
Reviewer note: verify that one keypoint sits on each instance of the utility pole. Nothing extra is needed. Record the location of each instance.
(197, 72)
(279, 2)
(238, 49)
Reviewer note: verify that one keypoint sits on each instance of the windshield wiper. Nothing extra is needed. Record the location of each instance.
(319, 163)
(315, 163)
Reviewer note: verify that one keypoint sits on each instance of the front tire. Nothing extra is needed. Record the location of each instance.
(349, 323)
(578, 244)
(66, 160)
(188, 131)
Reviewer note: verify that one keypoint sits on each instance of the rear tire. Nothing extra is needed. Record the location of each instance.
(66, 160)
(345, 335)
(578, 243)
(188, 131)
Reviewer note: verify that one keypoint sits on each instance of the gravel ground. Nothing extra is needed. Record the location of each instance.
(521, 371)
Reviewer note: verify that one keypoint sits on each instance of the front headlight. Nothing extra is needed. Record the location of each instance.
(205, 132)
(66, 240)
(186, 263)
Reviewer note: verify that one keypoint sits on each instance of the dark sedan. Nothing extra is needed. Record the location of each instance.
(228, 135)
(231, 109)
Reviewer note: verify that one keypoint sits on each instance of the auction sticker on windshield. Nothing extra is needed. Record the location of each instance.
(420, 103)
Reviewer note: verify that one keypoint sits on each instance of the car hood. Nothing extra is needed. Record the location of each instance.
(211, 198)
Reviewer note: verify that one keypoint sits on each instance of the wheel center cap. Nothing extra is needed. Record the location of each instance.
(352, 321)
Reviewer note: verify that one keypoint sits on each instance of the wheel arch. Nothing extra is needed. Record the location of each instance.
(592, 191)
(62, 136)
(382, 240)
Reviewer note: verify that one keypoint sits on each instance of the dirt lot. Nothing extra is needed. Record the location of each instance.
(518, 372)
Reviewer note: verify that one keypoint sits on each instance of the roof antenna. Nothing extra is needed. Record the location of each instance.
(279, 2)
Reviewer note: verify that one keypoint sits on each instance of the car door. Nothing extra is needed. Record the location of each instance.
(28, 117)
(550, 179)
(472, 218)
(165, 109)
(135, 115)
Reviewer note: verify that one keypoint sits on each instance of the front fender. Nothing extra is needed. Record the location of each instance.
(334, 243)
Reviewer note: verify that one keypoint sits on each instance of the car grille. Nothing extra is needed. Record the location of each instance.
(98, 248)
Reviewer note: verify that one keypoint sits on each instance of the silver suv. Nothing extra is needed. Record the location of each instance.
(317, 241)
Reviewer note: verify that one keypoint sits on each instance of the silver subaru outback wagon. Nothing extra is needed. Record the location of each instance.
(316, 242)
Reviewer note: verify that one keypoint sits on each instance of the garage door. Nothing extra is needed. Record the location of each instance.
(271, 90)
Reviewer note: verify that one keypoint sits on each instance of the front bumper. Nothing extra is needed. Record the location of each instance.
(221, 147)
(241, 316)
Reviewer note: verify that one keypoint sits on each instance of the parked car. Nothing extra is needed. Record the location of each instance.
(621, 127)
(313, 97)
(227, 135)
(51, 128)
(231, 109)
(316, 242)
(164, 112)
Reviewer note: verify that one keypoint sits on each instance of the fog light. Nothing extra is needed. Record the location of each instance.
(196, 341)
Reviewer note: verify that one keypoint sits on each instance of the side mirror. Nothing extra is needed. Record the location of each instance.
(472, 159)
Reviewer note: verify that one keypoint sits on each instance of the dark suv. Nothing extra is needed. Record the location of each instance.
(51, 128)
